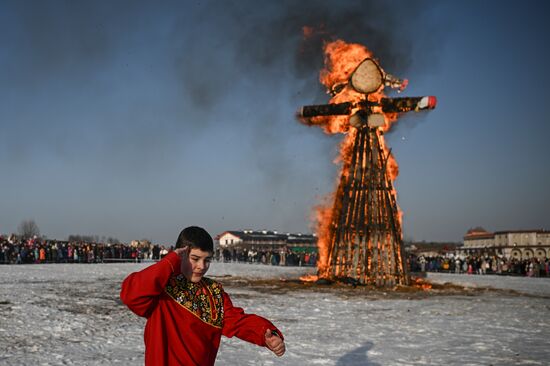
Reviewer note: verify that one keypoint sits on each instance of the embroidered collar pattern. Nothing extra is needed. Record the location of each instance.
(203, 299)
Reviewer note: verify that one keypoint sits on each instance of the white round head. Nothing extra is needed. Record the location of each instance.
(367, 77)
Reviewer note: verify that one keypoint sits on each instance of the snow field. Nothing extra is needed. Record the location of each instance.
(70, 314)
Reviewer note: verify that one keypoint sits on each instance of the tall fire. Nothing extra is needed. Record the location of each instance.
(359, 235)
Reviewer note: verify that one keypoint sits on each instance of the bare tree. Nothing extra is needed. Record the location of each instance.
(82, 238)
(28, 229)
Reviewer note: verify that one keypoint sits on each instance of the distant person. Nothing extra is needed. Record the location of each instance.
(187, 313)
(163, 252)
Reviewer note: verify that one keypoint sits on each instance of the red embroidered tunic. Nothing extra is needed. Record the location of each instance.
(186, 320)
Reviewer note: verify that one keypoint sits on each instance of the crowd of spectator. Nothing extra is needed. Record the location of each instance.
(281, 257)
(533, 267)
(16, 250)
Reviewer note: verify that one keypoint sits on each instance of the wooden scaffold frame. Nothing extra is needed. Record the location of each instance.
(365, 233)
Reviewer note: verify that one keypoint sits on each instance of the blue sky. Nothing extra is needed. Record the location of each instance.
(134, 119)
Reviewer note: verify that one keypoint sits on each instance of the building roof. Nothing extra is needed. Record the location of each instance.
(538, 231)
(478, 233)
(474, 234)
(266, 235)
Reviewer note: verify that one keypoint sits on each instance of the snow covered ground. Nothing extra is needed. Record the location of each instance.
(70, 314)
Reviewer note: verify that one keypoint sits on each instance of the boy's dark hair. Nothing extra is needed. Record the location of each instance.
(195, 237)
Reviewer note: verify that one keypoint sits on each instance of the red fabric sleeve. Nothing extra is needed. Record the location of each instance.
(248, 327)
(140, 290)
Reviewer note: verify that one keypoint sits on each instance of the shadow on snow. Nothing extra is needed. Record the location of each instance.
(357, 357)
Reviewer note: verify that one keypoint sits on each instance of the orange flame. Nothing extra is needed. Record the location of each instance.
(309, 278)
(341, 59)
(420, 283)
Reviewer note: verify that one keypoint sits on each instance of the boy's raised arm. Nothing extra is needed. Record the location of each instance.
(140, 290)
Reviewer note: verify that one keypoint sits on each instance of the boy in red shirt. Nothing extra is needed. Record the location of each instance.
(187, 313)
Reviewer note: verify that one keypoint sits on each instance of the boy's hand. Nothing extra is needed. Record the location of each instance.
(274, 343)
(183, 253)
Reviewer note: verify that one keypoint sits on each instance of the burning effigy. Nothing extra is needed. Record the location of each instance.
(359, 232)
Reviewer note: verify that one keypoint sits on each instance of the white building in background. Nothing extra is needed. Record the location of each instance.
(520, 244)
(266, 240)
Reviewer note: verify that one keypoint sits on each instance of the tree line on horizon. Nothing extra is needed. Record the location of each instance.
(29, 228)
